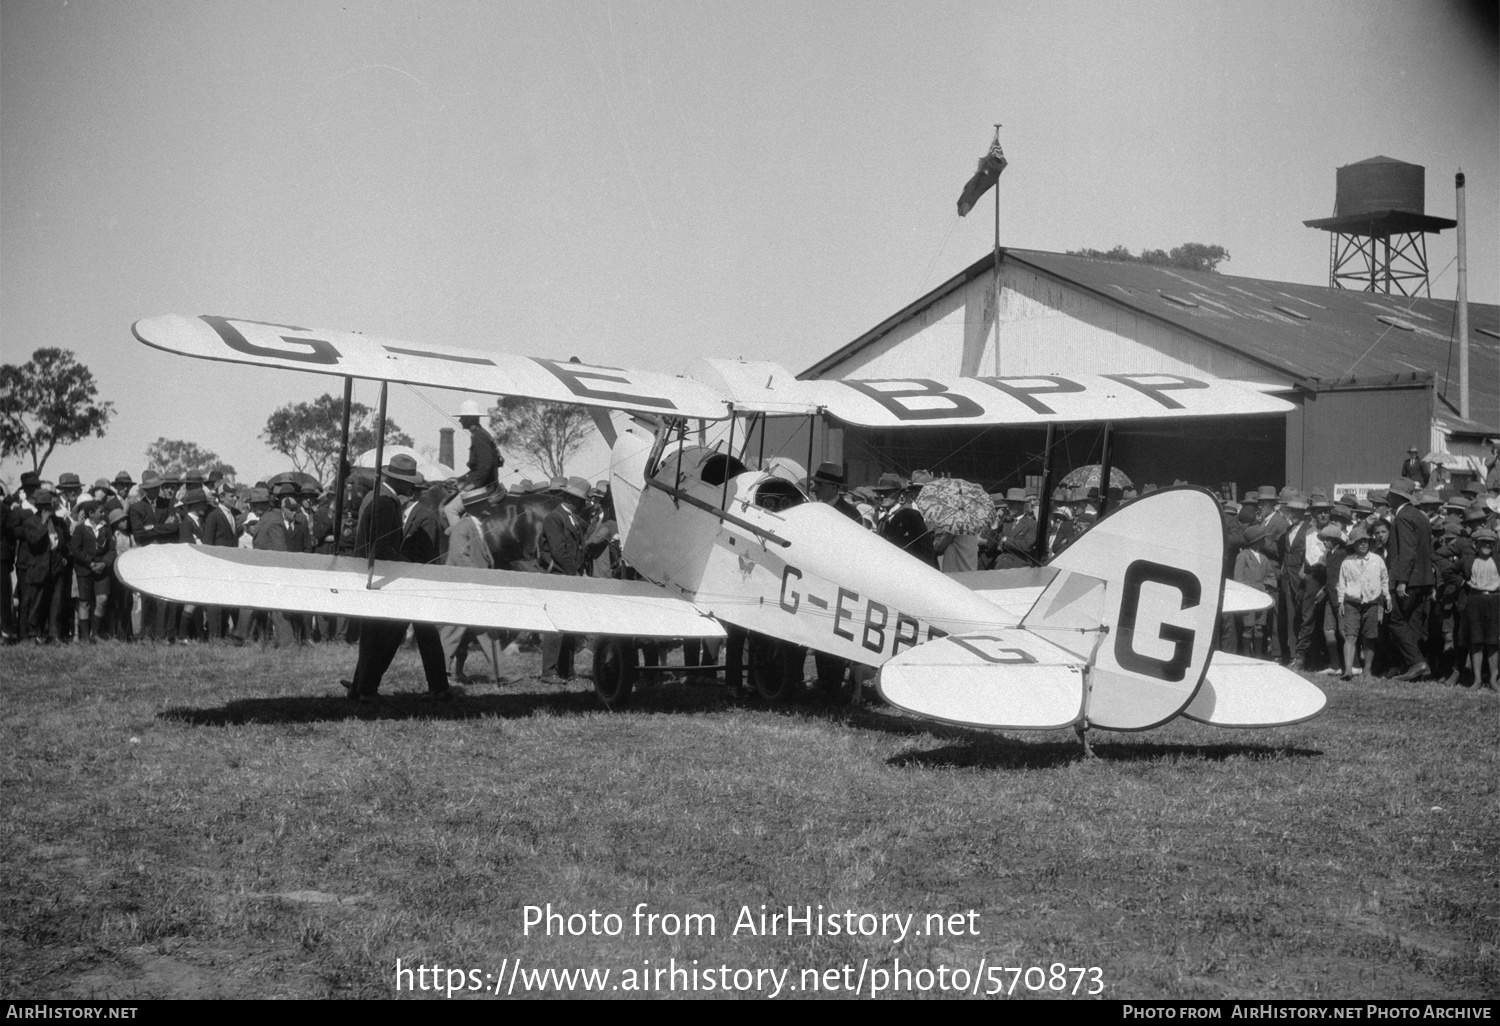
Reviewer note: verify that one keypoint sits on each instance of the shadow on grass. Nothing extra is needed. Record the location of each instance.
(413, 705)
(983, 752)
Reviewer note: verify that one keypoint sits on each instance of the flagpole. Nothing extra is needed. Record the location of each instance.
(997, 266)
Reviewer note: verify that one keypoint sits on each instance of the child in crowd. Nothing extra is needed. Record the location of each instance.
(1482, 614)
(1364, 593)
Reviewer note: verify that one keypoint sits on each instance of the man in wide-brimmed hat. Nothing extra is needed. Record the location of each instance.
(1409, 563)
(1018, 532)
(43, 538)
(1413, 469)
(828, 486)
(384, 532)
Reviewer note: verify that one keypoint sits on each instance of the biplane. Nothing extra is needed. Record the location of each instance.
(1117, 632)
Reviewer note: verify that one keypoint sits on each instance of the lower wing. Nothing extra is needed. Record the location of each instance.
(336, 586)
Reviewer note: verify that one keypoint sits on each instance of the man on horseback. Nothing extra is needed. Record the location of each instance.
(482, 482)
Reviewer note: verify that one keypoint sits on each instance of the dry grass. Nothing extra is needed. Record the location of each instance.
(212, 822)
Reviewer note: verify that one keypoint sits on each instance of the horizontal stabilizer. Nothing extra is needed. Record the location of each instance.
(335, 586)
(1245, 692)
(1014, 590)
(1241, 598)
(1007, 679)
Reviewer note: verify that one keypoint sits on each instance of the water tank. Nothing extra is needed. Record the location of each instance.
(1380, 184)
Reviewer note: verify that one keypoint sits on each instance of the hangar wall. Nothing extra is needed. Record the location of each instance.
(1046, 327)
(1362, 432)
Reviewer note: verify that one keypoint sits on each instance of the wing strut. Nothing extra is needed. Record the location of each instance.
(728, 455)
(1044, 500)
(379, 480)
(1105, 459)
(342, 480)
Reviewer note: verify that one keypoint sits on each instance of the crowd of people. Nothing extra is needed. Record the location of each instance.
(1403, 581)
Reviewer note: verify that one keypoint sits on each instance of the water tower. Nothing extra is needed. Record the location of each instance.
(1377, 234)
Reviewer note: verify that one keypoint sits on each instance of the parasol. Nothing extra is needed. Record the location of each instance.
(296, 477)
(1444, 458)
(955, 506)
(1088, 477)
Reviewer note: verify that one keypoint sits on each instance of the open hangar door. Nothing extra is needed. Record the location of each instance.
(1244, 452)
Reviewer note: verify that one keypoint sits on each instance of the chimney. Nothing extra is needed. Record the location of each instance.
(1463, 301)
(445, 447)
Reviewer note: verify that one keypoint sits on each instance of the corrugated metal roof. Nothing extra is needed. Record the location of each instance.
(1313, 334)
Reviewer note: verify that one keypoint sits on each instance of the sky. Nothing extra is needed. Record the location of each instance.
(639, 184)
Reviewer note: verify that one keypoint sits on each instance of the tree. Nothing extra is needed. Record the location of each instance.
(48, 401)
(548, 433)
(175, 458)
(308, 433)
(1190, 256)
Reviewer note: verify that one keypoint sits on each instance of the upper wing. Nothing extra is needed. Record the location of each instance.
(335, 586)
(470, 370)
(949, 402)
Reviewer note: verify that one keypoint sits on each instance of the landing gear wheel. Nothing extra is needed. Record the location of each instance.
(614, 671)
(775, 668)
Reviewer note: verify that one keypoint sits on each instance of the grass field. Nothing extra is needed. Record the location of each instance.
(203, 822)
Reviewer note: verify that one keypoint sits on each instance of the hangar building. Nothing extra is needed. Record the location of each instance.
(1369, 374)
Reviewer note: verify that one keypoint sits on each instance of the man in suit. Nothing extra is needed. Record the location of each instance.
(45, 538)
(1409, 562)
(391, 526)
(1018, 533)
(218, 532)
(153, 523)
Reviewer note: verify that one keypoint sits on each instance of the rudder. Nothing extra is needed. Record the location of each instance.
(1151, 573)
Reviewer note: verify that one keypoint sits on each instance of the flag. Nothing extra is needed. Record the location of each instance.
(990, 166)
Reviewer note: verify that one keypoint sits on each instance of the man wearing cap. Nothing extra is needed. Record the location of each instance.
(1363, 593)
(153, 523)
(484, 464)
(93, 557)
(561, 550)
(385, 531)
(905, 527)
(1409, 562)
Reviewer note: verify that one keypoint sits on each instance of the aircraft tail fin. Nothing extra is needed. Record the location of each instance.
(1139, 595)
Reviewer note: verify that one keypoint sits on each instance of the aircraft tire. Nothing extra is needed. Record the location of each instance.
(775, 668)
(614, 671)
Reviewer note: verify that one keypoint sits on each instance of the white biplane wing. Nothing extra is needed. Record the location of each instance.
(355, 355)
(335, 586)
(982, 401)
